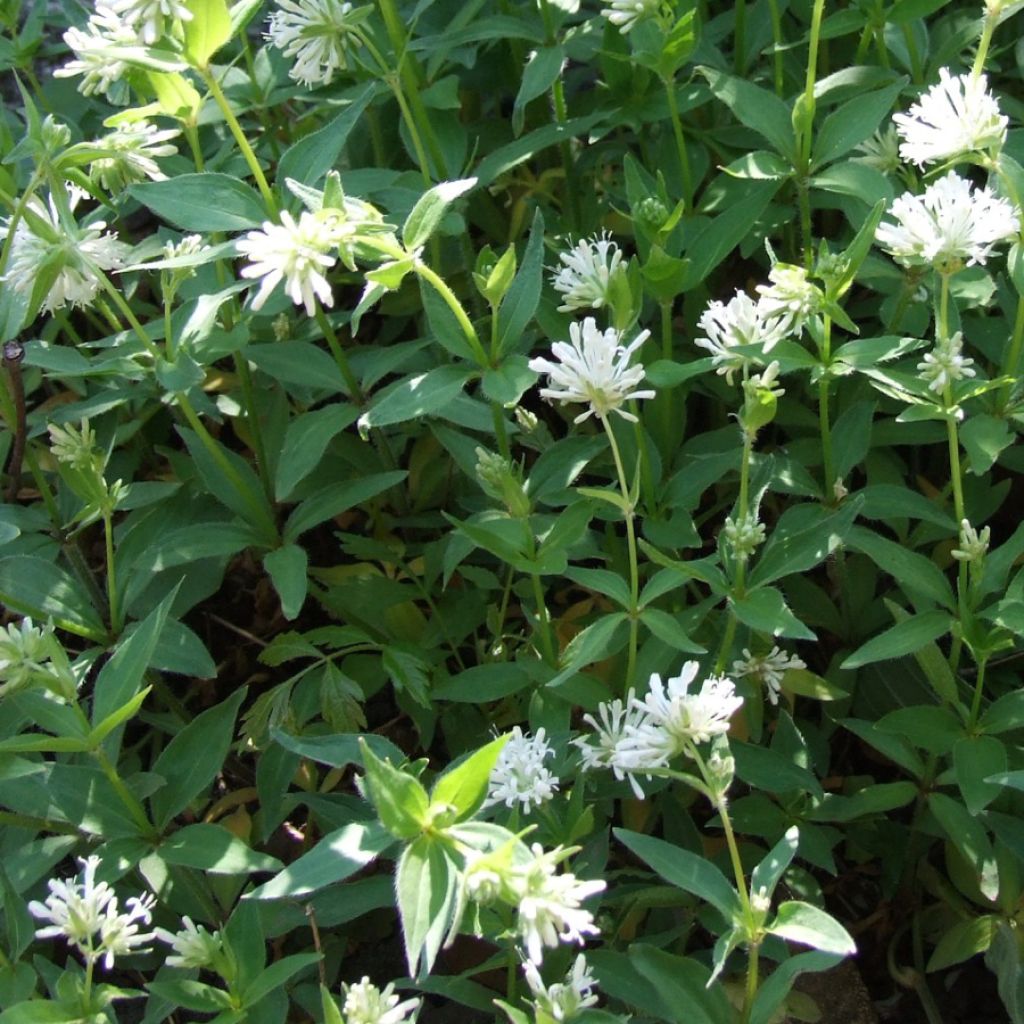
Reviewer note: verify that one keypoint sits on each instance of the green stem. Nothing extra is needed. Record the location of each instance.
(753, 955)
(1012, 363)
(824, 419)
(133, 321)
(128, 798)
(571, 206)
(780, 82)
(806, 131)
(500, 430)
(354, 390)
(979, 689)
(634, 565)
(544, 621)
(243, 143)
(249, 401)
(915, 60)
(983, 45)
(113, 603)
(677, 131)
(455, 306)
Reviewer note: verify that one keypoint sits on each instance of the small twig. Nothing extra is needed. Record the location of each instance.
(311, 917)
(12, 357)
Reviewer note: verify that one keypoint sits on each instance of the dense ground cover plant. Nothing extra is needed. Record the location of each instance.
(509, 508)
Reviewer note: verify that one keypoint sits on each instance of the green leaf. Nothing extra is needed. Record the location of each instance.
(930, 727)
(683, 987)
(507, 382)
(917, 575)
(773, 990)
(465, 786)
(127, 710)
(287, 568)
(122, 676)
(852, 122)
(760, 110)
(975, 758)
(191, 761)
(891, 501)
(309, 159)
(426, 882)
(207, 31)
(426, 215)
(520, 302)
(191, 995)
(33, 586)
(685, 870)
(669, 631)
(599, 640)
(300, 363)
(214, 849)
(768, 769)
(276, 975)
(851, 178)
(962, 941)
(970, 837)
(423, 394)
(904, 638)
(1004, 960)
(871, 800)
(766, 610)
(339, 855)
(541, 72)
(399, 798)
(444, 326)
(801, 922)
(205, 202)
(1004, 714)
(483, 683)
(305, 442)
(767, 874)
(984, 437)
(337, 498)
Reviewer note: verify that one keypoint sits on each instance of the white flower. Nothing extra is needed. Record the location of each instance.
(549, 903)
(86, 914)
(563, 1000)
(604, 749)
(946, 364)
(296, 253)
(367, 1004)
(317, 33)
(593, 367)
(149, 18)
(586, 273)
(881, 151)
(768, 669)
(740, 322)
(973, 545)
(958, 115)
(31, 655)
(193, 945)
(132, 149)
(625, 14)
(677, 718)
(950, 225)
(43, 243)
(519, 774)
(96, 49)
(764, 381)
(789, 296)
(743, 535)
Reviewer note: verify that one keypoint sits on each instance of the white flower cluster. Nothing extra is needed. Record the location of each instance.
(625, 15)
(520, 775)
(132, 149)
(973, 545)
(367, 1004)
(31, 656)
(564, 999)
(594, 367)
(317, 33)
(644, 735)
(956, 116)
(585, 276)
(192, 946)
(86, 914)
(46, 242)
(946, 364)
(740, 323)
(768, 669)
(950, 225)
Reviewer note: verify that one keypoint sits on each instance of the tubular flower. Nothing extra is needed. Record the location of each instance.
(603, 749)
(193, 945)
(625, 15)
(768, 669)
(549, 903)
(132, 151)
(45, 243)
(367, 1004)
(790, 296)
(593, 367)
(86, 914)
(563, 1000)
(586, 272)
(318, 34)
(740, 322)
(150, 18)
(519, 774)
(949, 226)
(296, 253)
(958, 115)
(946, 364)
(98, 50)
